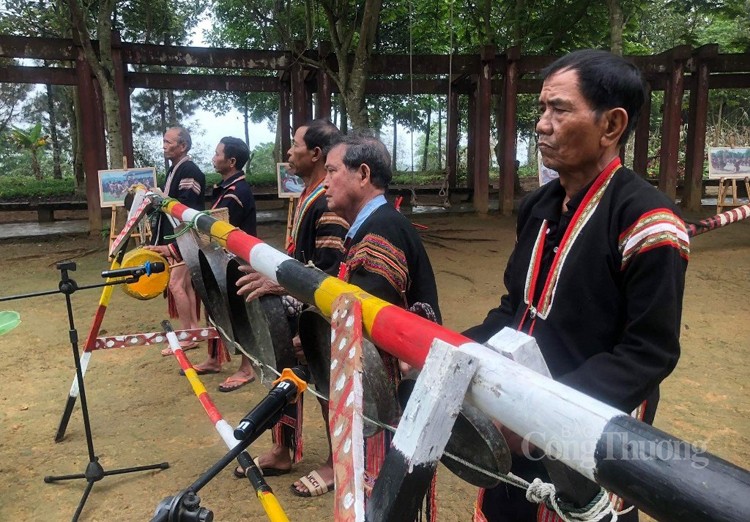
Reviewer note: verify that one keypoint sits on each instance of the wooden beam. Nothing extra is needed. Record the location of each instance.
(200, 82)
(41, 75)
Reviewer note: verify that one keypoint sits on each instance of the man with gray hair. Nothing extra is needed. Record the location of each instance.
(384, 256)
(186, 183)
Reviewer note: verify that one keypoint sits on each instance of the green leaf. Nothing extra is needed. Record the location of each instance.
(8, 321)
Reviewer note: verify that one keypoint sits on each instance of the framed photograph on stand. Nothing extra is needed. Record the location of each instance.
(290, 185)
(114, 184)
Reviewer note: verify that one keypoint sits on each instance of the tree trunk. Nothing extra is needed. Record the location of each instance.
(616, 22)
(35, 167)
(394, 150)
(103, 68)
(352, 82)
(77, 143)
(427, 139)
(56, 166)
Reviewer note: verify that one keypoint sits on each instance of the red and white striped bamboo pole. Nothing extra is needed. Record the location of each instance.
(226, 432)
(719, 220)
(658, 473)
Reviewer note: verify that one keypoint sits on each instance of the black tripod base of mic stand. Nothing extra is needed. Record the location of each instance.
(94, 473)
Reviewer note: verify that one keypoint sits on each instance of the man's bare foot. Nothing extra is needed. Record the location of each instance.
(321, 481)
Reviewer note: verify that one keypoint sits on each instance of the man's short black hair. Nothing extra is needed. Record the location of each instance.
(322, 133)
(363, 148)
(606, 81)
(237, 149)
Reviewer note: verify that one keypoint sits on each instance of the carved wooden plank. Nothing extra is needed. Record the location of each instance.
(345, 409)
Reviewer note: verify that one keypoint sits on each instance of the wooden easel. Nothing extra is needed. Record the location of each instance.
(728, 187)
(289, 221)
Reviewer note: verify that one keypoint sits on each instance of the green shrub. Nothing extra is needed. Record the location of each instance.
(26, 187)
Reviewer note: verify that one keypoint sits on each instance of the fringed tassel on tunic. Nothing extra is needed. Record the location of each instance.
(288, 431)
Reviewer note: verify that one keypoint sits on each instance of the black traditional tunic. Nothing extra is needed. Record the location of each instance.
(317, 233)
(235, 195)
(387, 259)
(186, 183)
(599, 287)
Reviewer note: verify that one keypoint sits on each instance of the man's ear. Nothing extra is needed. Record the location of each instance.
(615, 121)
(364, 170)
(317, 154)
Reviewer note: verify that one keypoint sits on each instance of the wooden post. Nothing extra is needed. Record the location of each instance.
(510, 130)
(451, 144)
(482, 144)
(640, 145)
(695, 149)
(671, 123)
(323, 105)
(91, 165)
(422, 434)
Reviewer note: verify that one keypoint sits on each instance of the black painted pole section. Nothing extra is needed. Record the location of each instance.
(668, 478)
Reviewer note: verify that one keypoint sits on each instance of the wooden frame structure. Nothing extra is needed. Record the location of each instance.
(474, 77)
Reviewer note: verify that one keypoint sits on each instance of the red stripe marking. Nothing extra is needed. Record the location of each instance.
(409, 336)
(91, 339)
(210, 407)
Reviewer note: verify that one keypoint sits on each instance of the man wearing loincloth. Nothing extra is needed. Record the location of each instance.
(317, 237)
(186, 183)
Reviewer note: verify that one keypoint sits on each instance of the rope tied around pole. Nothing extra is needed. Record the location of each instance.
(601, 506)
(189, 225)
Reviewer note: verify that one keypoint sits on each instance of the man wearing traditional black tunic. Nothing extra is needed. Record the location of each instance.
(385, 257)
(317, 237)
(598, 270)
(186, 183)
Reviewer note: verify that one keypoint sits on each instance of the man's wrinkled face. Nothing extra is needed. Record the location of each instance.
(569, 130)
(343, 186)
(173, 149)
(300, 157)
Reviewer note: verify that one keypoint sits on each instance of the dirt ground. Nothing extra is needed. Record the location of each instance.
(143, 412)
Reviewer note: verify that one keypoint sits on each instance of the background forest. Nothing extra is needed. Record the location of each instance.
(40, 148)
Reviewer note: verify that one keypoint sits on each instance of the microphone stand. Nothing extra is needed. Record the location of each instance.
(185, 505)
(94, 471)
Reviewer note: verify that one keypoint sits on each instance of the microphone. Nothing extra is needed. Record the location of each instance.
(147, 269)
(291, 383)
